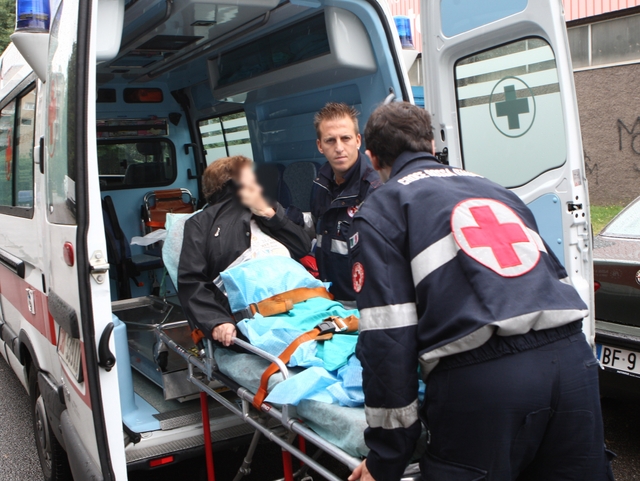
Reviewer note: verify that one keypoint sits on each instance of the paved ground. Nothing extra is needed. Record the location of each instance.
(622, 430)
(18, 455)
(19, 461)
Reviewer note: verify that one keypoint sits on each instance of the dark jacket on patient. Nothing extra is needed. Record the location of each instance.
(213, 239)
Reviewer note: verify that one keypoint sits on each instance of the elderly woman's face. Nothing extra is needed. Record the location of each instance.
(247, 178)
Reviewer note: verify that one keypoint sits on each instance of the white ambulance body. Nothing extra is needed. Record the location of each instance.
(122, 98)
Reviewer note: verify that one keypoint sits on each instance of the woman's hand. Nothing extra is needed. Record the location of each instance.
(251, 197)
(224, 333)
(250, 194)
(361, 473)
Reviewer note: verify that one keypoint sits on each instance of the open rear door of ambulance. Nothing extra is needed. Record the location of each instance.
(78, 283)
(499, 84)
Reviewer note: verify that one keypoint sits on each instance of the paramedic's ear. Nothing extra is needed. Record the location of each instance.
(383, 171)
(375, 162)
(433, 146)
(319, 148)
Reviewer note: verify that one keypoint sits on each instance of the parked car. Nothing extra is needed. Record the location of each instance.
(616, 263)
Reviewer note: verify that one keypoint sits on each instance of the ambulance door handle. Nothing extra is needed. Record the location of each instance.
(106, 359)
(41, 155)
(443, 156)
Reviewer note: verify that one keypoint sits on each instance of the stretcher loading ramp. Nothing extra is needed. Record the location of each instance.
(278, 424)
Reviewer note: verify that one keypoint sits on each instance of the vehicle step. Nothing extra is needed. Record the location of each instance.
(187, 443)
(187, 416)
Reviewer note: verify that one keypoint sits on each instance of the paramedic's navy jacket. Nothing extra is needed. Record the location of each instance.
(213, 239)
(444, 260)
(333, 207)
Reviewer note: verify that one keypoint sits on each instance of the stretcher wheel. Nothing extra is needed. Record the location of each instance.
(53, 459)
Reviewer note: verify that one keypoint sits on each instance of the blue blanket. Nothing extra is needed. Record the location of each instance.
(333, 373)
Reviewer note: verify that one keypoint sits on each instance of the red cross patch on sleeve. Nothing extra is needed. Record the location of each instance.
(357, 276)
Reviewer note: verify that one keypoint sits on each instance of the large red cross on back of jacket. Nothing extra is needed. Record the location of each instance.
(499, 237)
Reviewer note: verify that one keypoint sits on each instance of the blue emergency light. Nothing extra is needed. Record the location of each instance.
(403, 24)
(32, 15)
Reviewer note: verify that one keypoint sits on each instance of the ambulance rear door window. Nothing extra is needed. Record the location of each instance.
(510, 112)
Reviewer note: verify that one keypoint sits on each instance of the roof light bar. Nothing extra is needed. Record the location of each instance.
(32, 15)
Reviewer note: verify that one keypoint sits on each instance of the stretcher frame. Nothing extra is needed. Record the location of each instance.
(203, 368)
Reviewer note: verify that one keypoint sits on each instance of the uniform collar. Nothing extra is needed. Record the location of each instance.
(407, 157)
(351, 186)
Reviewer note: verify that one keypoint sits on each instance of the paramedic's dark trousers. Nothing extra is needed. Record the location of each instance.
(528, 416)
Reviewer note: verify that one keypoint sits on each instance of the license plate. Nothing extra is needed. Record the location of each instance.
(620, 360)
(69, 352)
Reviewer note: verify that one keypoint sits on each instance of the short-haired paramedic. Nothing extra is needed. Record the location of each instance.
(453, 278)
(341, 186)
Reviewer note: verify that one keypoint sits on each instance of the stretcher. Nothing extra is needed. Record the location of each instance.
(335, 430)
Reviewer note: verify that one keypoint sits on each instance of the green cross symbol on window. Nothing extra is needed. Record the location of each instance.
(512, 107)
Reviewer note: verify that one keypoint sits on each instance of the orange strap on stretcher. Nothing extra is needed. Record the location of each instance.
(281, 303)
(324, 331)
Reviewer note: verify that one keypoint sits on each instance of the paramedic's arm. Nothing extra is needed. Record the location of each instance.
(387, 348)
(196, 290)
(283, 229)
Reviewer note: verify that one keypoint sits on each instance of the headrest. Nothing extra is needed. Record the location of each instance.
(150, 148)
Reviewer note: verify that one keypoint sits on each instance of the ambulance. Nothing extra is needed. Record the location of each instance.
(110, 110)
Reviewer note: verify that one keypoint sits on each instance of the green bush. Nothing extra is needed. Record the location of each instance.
(601, 215)
(7, 21)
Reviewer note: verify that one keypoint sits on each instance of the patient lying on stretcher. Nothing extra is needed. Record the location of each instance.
(235, 255)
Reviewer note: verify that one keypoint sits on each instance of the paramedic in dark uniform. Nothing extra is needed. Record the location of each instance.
(455, 282)
(341, 186)
(237, 223)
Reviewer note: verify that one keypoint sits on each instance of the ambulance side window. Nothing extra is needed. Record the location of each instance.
(17, 124)
(7, 124)
(225, 136)
(510, 112)
(23, 153)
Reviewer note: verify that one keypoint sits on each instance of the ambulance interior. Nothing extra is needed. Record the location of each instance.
(194, 81)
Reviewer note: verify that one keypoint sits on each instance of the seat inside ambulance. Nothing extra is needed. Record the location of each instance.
(198, 80)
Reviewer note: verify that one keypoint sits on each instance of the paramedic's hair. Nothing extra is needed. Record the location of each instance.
(223, 170)
(396, 128)
(333, 111)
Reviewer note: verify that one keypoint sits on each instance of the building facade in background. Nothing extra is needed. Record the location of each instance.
(604, 36)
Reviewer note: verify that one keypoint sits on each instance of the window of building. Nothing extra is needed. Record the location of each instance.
(136, 163)
(17, 124)
(616, 41)
(225, 136)
(579, 46)
(608, 42)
